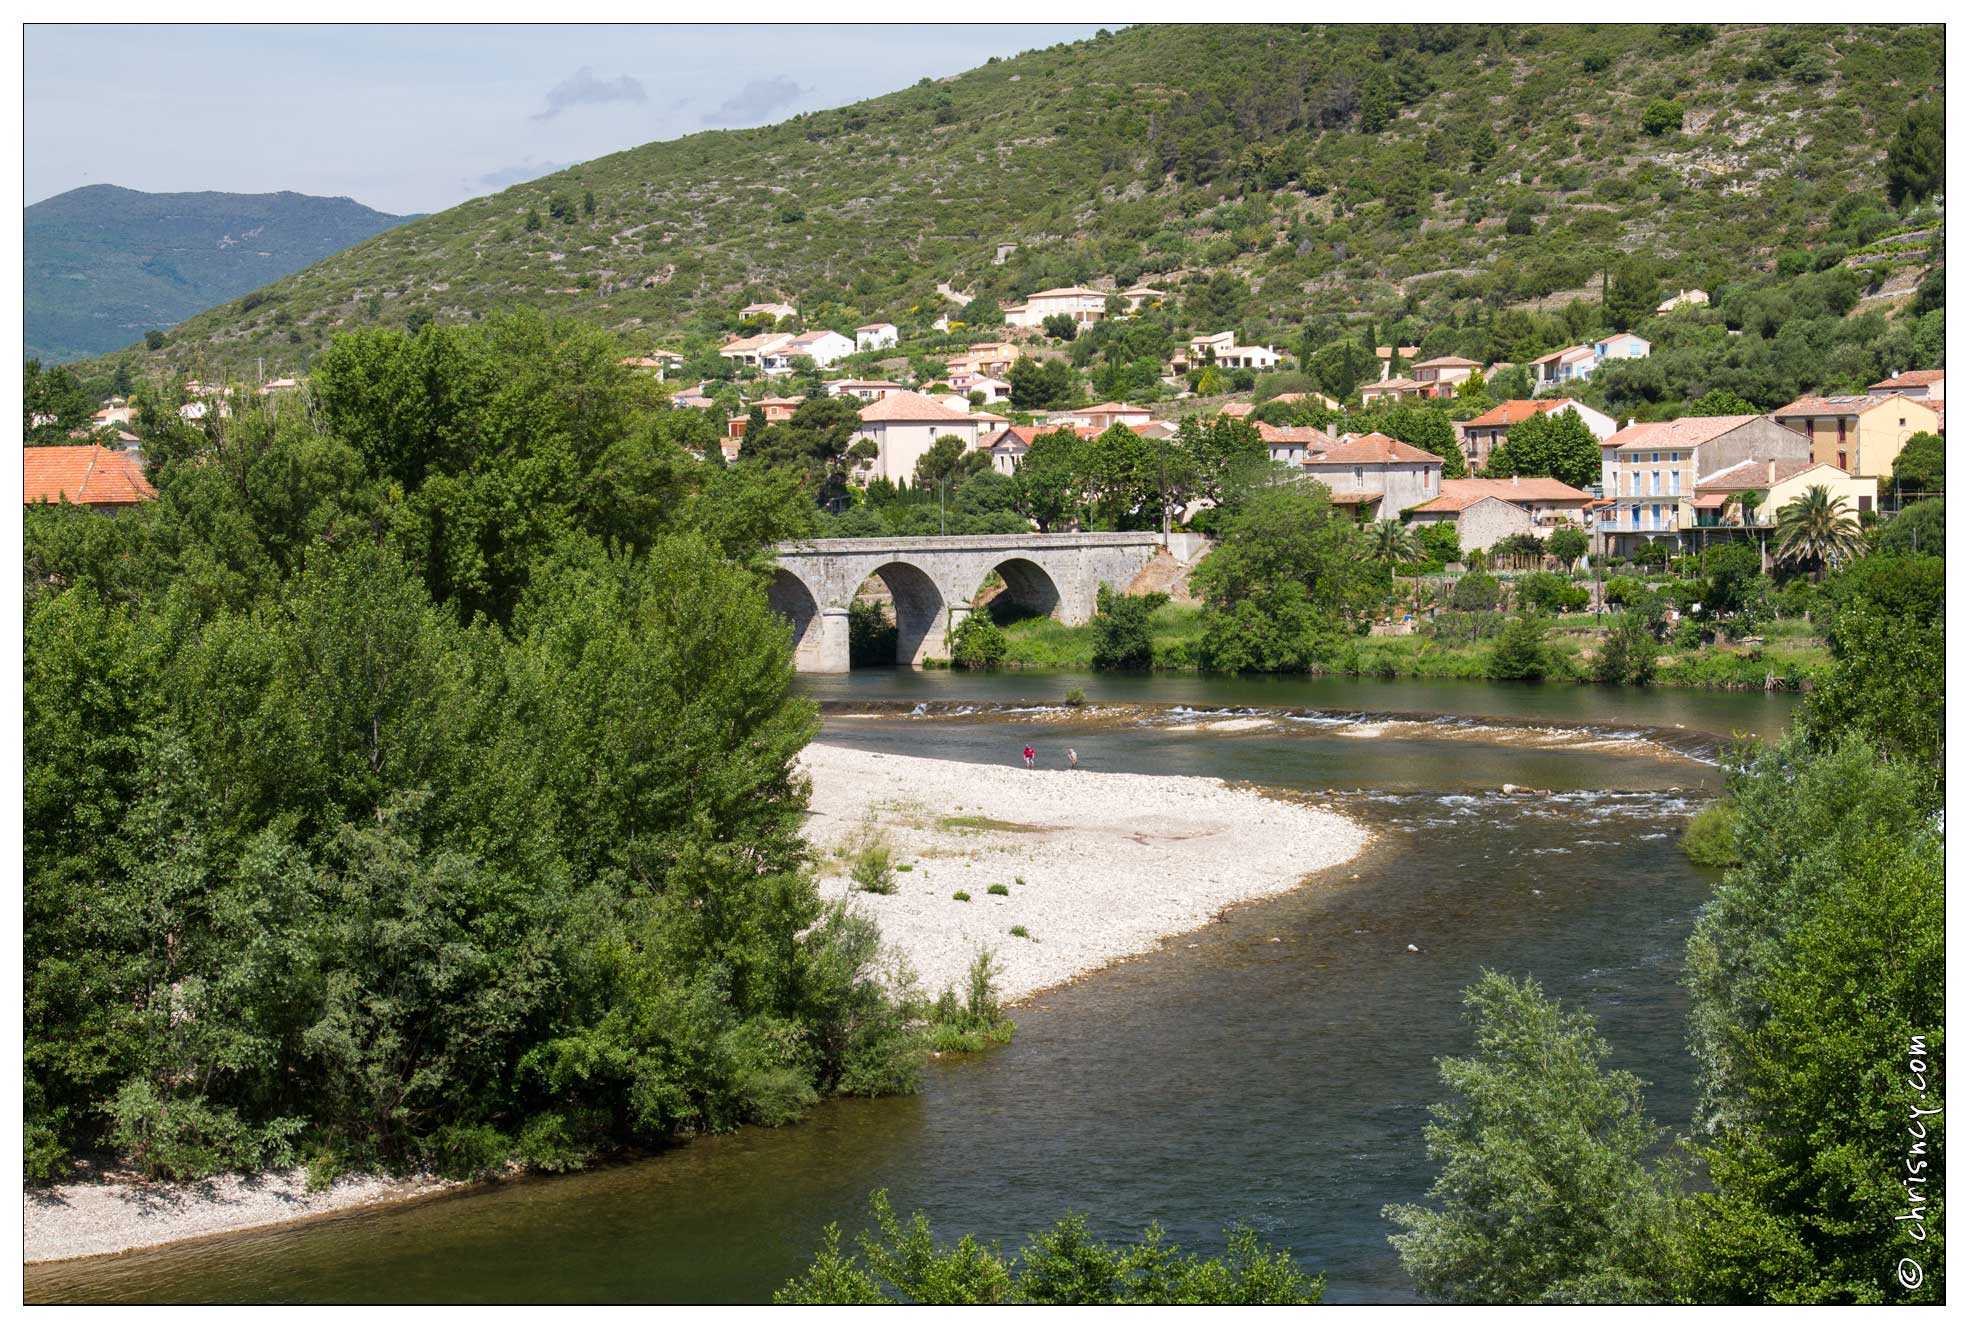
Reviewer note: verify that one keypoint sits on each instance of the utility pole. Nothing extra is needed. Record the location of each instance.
(1162, 487)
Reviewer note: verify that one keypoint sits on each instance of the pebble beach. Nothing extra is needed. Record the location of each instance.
(1096, 866)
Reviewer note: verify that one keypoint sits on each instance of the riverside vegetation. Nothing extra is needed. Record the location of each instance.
(412, 784)
(1815, 983)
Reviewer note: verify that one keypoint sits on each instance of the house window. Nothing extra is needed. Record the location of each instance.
(1842, 459)
(1674, 482)
(1842, 429)
(1654, 518)
(1866, 502)
(1634, 516)
(1654, 482)
(1359, 476)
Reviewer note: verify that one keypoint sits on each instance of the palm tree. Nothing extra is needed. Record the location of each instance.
(1814, 529)
(1393, 541)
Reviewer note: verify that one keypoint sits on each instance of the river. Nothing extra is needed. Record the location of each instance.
(1273, 1069)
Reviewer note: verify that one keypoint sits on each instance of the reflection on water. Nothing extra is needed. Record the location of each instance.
(1274, 1068)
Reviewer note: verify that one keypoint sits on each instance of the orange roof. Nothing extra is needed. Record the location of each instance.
(1918, 378)
(898, 407)
(1397, 384)
(85, 474)
(1296, 434)
(1460, 494)
(1373, 448)
(1514, 412)
(1067, 290)
(1112, 408)
(1449, 362)
(1237, 410)
(1829, 406)
(1752, 474)
(1687, 432)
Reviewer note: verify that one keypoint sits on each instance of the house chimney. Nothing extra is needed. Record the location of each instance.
(1771, 471)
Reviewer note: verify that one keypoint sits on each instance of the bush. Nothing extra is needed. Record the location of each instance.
(1711, 837)
(1661, 116)
(978, 643)
(996, 888)
(1076, 697)
(1475, 591)
(1520, 650)
(1627, 653)
(962, 897)
(1122, 637)
(1548, 592)
(872, 865)
(976, 1021)
(1019, 930)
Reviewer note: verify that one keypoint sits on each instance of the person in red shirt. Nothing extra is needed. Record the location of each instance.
(1029, 755)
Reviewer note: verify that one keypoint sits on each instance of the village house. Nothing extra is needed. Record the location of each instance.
(1648, 471)
(775, 310)
(1859, 435)
(824, 347)
(1292, 444)
(753, 351)
(1137, 296)
(659, 362)
(1080, 303)
(1565, 366)
(113, 415)
(86, 475)
(1222, 349)
(1719, 509)
(1292, 398)
(1486, 511)
(1683, 299)
(866, 389)
(1101, 417)
(1920, 384)
(776, 409)
(875, 336)
(1439, 376)
(1376, 475)
(1391, 389)
(1480, 436)
(1386, 355)
(1621, 346)
(903, 425)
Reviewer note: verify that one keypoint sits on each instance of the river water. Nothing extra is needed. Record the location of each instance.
(1273, 1069)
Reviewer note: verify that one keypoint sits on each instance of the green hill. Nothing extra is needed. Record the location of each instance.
(106, 264)
(1268, 176)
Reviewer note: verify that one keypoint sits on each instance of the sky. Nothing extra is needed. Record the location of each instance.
(418, 118)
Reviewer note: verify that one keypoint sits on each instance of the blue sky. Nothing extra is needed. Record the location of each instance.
(417, 118)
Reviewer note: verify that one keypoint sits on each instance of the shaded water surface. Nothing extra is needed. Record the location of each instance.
(1274, 1068)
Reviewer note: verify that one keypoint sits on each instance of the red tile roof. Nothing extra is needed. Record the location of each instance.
(1373, 448)
(1514, 412)
(900, 407)
(1307, 434)
(85, 474)
(1460, 494)
(1830, 406)
(1752, 474)
(1448, 362)
(1913, 378)
(1687, 432)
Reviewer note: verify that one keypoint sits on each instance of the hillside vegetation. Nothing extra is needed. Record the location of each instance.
(104, 265)
(1267, 176)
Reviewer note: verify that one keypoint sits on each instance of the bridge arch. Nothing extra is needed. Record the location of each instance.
(1029, 587)
(920, 608)
(793, 600)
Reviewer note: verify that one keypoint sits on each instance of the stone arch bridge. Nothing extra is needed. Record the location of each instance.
(935, 579)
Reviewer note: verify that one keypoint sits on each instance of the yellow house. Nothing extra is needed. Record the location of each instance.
(1860, 435)
(1776, 483)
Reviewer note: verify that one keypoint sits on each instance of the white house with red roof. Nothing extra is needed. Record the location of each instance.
(1082, 304)
(903, 425)
(1921, 384)
(875, 336)
(1481, 435)
(1376, 474)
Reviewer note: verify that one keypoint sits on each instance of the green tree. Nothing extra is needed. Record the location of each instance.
(1122, 635)
(1521, 649)
(1917, 529)
(1721, 401)
(1916, 162)
(1632, 292)
(1661, 116)
(1918, 468)
(1550, 443)
(1377, 101)
(1568, 544)
(1051, 479)
(1544, 1192)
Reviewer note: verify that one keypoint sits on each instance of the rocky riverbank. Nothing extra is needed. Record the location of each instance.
(1095, 866)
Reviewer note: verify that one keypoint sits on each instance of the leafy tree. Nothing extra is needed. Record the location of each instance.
(1721, 401)
(1122, 635)
(1377, 101)
(1918, 529)
(1550, 443)
(1060, 327)
(1439, 542)
(1661, 116)
(983, 312)
(1884, 626)
(1916, 162)
(977, 643)
(533, 222)
(1051, 480)
(1063, 1266)
(52, 404)
(1286, 580)
(587, 202)
(1521, 649)
(1036, 385)
(1628, 651)
(1632, 292)
(1918, 468)
(154, 340)
(1568, 544)
(1544, 1192)
(1476, 590)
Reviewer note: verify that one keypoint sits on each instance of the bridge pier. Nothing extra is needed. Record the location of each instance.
(824, 650)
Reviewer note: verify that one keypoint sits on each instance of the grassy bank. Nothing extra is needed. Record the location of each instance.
(1787, 652)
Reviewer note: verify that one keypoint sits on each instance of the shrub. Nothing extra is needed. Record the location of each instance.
(1627, 654)
(1661, 116)
(962, 897)
(998, 888)
(1475, 591)
(978, 643)
(1711, 838)
(1520, 650)
(1019, 930)
(1076, 697)
(1548, 592)
(872, 865)
(1122, 637)
(975, 1021)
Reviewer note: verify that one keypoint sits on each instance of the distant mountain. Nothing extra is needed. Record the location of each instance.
(105, 264)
